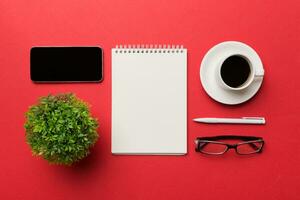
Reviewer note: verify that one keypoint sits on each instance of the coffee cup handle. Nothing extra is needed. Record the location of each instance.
(259, 73)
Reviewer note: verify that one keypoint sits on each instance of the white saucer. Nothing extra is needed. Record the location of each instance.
(208, 72)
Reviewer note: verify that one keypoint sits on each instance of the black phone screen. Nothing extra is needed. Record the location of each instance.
(66, 64)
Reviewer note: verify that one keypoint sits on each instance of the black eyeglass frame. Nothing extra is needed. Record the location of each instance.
(251, 140)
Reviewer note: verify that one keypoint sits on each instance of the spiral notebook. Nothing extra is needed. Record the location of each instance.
(149, 100)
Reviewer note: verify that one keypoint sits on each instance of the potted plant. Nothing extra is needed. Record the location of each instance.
(60, 129)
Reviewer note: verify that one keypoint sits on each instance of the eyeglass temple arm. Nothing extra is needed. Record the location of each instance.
(220, 137)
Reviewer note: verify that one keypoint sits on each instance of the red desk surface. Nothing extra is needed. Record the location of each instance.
(271, 27)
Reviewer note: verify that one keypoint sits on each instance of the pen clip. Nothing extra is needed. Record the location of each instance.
(254, 118)
(262, 119)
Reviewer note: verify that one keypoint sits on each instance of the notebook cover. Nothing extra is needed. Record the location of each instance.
(149, 100)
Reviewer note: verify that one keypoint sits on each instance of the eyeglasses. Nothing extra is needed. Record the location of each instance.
(212, 145)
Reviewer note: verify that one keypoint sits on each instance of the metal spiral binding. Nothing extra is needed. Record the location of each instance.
(149, 48)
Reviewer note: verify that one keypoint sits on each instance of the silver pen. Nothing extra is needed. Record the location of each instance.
(243, 120)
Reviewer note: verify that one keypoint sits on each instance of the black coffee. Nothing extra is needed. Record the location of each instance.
(235, 71)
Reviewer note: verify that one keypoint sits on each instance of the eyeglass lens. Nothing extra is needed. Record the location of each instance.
(249, 148)
(212, 148)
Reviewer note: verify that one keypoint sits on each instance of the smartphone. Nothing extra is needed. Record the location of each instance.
(66, 64)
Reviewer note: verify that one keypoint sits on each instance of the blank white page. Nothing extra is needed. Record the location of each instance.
(149, 101)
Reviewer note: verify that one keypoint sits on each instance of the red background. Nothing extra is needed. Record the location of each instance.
(270, 26)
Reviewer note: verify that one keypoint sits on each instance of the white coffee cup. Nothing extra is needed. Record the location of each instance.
(254, 73)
